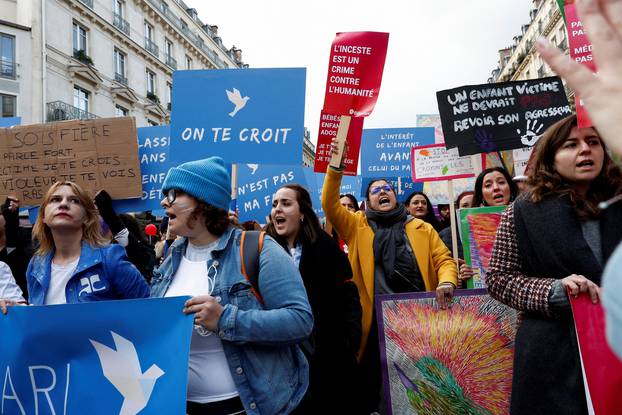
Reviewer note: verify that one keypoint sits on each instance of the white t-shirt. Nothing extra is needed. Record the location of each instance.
(209, 377)
(61, 274)
(9, 290)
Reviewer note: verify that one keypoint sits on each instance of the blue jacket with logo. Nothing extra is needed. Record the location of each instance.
(269, 370)
(102, 273)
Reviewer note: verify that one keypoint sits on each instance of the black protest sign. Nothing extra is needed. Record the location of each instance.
(502, 116)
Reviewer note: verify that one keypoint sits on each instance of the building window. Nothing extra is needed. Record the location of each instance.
(79, 38)
(7, 56)
(119, 66)
(81, 98)
(119, 111)
(148, 32)
(118, 8)
(151, 82)
(7, 105)
(188, 62)
(168, 47)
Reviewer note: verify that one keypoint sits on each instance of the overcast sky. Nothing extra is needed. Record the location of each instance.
(433, 45)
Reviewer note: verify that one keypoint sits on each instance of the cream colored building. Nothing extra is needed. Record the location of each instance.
(308, 150)
(71, 59)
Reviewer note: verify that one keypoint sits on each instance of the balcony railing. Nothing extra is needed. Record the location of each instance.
(120, 23)
(61, 111)
(7, 68)
(152, 47)
(171, 62)
(87, 3)
(120, 78)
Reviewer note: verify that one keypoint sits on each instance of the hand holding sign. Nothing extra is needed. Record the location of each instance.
(601, 92)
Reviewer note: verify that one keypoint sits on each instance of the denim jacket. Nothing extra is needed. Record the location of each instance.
(102, 273)
(268, 368)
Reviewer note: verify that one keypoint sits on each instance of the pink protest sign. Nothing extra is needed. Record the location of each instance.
(581, 51)
(355, 73)
(329, 125)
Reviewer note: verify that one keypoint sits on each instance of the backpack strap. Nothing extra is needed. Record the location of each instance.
(251, 244)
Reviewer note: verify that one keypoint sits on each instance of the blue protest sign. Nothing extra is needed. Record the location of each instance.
(403, 188)
(249, 116)
(349, 184)
(257, 185)
(386, 151)
(153, 153)
(105, 357)
(10, 121)
(314, 186)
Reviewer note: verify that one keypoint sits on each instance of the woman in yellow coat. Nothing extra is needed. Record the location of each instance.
(390, 252)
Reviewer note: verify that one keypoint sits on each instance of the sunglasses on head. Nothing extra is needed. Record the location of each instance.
(171, 195)
(377, 189)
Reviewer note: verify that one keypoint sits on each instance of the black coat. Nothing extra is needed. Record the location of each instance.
(336, 307)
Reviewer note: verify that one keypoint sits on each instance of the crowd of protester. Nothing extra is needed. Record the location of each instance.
(302, 336)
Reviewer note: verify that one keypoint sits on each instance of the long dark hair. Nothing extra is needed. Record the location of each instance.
(310, 227)
(352, 199)
(544, 180)
(478, 195)
(430, 217)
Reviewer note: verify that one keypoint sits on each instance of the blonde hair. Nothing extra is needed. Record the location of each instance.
(91, 230)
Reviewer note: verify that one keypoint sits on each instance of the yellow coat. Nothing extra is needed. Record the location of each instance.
(433, 257)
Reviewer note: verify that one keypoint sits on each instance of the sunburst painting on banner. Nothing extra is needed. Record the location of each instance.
(454, 361)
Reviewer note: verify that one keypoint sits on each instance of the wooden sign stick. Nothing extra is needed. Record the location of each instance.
(234, 181)
(342, 134)
(452, 217)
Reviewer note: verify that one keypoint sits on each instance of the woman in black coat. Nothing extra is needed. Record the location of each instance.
(334, 299)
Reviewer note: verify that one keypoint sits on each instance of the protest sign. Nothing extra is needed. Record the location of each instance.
(386, 151)
(438, 192)
(432, 120)
(153, 152)
(314, 185)
(403, 186)
(602, 368)
(104, 357)
(580, 49)
(434, 162)
(454, 361)
(96, 154)
(329, 125)
(479, 230)
(501, 116)
(349, 185)
(249, 116)
(10, 121)
(257, 184)
(355, 72)
(521, 158)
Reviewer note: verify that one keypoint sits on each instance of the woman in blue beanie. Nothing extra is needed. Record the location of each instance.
(243, 352)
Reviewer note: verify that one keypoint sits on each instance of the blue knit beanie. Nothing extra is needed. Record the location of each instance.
(207, 180)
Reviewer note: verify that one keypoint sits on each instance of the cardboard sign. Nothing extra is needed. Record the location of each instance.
(355, 72)
(386, 151)
(403, 187)
(96, 154)
(432, 120)
(249, 116)
(329, 124)
(580, 49)
(153, 150)
(257, 185)
(503, 116)
(434, 162)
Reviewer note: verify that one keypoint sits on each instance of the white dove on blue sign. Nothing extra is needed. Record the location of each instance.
(236, 98)
(253, 167)
(122, 368)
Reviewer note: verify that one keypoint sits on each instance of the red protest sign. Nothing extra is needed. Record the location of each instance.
(355, 73)
(329, 125)
(581, 51)
(602, 369)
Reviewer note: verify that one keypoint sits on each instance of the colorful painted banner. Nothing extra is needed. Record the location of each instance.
(106, 357)
(454, 361)
(602, 368)
(355, 72)
(501, 116)
(432, 120)
(386, 151)
(249, 116)
(434, 162)
(479, 229)
(329, 125)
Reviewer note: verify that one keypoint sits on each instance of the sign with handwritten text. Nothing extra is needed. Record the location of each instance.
(329, 125)
(502, 116)
(96, 154)
(355, 71)
(249, 116)
(435, 162)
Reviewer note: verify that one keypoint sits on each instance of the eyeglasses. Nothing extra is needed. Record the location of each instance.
(377, 189)
(171, 195)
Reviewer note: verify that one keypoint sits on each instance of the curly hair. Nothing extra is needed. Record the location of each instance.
(478, 194)
(545, 181)
(216, 219)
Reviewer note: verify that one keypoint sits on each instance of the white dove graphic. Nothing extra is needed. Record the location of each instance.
(236, 98)
(122, 368)
(253, 168)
